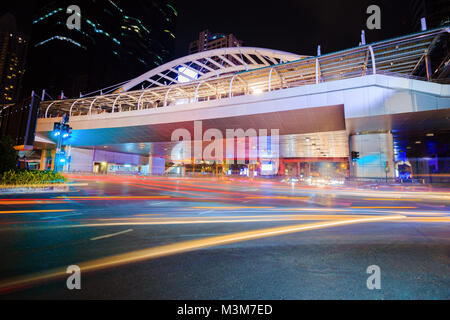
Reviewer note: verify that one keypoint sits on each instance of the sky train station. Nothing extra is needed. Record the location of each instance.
(172, 151)
(354, 113)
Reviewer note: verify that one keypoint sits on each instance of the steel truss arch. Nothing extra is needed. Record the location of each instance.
(211, 63)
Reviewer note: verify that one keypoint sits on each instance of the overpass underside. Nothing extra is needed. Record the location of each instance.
(304, 135)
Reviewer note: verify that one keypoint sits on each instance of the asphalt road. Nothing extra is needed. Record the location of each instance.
(175, 238)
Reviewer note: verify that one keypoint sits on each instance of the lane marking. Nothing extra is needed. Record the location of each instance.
(205, 212)
(111, 235)
(177, 248)
(157, 203)
(66, 215)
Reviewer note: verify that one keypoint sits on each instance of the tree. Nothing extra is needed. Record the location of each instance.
(8, 155)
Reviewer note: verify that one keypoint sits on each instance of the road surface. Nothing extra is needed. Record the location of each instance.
(201, 238)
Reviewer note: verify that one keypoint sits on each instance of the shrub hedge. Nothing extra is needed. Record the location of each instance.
(20, 178)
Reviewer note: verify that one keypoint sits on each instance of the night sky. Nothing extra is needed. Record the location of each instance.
(295, 26)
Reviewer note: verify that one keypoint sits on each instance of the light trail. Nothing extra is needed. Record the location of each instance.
(43, 201)
(230, 208)
(177, 248)
(383, 207)
(279, 198)
(149, 214)
(116, 197)
(385, 199)
(35, 211)
(314, 209)
(418, 213)
(428, 219)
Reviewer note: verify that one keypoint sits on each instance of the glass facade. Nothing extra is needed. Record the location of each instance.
(13, 49)
(117, 41)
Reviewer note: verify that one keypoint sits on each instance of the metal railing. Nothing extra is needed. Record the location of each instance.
(396, 57)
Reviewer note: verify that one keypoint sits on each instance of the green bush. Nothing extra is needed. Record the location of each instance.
(31, 178)
(8, 155)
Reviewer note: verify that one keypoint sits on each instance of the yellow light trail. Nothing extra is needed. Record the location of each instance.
(180, 247)
(419, 213)
(34, 211)
(203, 220)
(231, 208)
(113, 197)
(383, 207)
(30, 202)
(429, 219)
(314, 209)
(149, 214)
(280, 197)
(386, 199)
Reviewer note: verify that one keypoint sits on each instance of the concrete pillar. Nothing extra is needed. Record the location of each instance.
(53, 156)
(376, 150)
(43, 160)
(150, 165)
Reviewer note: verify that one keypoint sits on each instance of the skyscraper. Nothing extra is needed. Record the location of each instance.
(13, 49)
(209, 41)
(117, 40)
(436, 13)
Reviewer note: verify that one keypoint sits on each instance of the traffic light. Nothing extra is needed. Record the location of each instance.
(56, 129)
(355, 155)
(66, 131)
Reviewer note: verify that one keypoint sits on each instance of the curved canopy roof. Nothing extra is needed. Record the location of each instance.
(229, 72)
(207, 64)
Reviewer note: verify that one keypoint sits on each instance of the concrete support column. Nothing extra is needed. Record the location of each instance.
(150, 165)
(157, 165)
(43, 165)
(53, 159)
(376, 152)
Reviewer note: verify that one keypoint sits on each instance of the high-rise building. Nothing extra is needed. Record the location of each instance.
(13, 50)
(117, 41)
(209, 41)
(436, 13)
